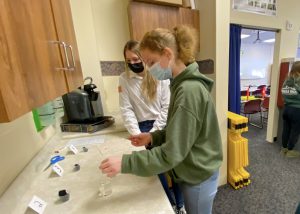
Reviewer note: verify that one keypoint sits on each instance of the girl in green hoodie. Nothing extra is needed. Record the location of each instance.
(291, 113)
(190, 146)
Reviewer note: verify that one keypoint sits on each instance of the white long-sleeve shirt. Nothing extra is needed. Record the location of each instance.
(136, 108)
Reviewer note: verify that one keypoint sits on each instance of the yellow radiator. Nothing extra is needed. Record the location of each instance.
(237, 151)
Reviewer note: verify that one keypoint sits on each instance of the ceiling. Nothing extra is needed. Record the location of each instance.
(263, 35)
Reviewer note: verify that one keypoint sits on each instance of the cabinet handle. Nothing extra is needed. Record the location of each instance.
(73, 59)
(66, 54)
(64, 45)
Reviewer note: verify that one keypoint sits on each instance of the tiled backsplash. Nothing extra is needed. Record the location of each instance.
(115, 68)
(112, 68)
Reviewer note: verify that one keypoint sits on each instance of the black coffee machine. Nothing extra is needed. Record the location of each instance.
(84, 109)
(83, 104)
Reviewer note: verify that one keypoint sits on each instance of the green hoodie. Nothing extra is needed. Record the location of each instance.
(291, 92)
(190, 145)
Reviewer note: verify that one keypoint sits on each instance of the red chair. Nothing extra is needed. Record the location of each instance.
(261, 86)
(265, 107)
(253, 107)
(244, 93)
(257, 93)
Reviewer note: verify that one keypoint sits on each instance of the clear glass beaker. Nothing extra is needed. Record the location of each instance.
(105, 187)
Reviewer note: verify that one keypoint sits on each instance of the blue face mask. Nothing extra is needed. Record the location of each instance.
(160, 73)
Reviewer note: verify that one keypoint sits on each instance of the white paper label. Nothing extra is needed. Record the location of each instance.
(73, 149)
(37, 204)
(58, 169)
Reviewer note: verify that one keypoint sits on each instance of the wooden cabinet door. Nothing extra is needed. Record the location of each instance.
(144, 17)
(29, 61)
(65, 30)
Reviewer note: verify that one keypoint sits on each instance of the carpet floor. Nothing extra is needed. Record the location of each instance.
(275, 181)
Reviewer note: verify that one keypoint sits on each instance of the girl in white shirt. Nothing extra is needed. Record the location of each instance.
(144, 103)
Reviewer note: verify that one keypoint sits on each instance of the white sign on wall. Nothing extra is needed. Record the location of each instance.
(264, 7)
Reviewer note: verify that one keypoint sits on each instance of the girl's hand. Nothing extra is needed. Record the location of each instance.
(142, 139)
(111, 166)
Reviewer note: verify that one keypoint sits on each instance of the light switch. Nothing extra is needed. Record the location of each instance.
(289, 26)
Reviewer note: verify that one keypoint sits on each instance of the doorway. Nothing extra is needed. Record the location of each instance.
(256, 60)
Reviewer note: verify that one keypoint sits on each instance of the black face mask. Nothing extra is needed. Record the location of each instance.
(136, 67)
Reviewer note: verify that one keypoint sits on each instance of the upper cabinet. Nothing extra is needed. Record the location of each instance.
(38, 54)
(65, 31)
(144, 17)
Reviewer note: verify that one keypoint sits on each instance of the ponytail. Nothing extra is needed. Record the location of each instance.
(186, 43)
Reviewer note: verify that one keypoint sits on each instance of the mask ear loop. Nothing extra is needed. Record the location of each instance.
(140, 57)
(172, 58)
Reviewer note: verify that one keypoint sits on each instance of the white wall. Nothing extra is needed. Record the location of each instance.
(112, 32)
(256, 59)
(87, 43)
(222, 60)
(112, 28)
(285, 46)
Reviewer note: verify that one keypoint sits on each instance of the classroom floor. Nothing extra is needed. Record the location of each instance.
(275, 181)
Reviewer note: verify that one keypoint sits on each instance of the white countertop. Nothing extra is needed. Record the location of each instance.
(130, 194)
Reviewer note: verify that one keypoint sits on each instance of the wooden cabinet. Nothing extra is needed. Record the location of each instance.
(144, 17)
(38, 54)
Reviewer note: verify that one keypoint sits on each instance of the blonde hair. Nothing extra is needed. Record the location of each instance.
(182, 40)
(295, 71)
(149, 84)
